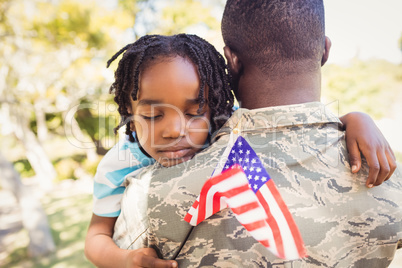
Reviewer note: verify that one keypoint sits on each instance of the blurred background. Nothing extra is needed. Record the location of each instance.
(57, 117)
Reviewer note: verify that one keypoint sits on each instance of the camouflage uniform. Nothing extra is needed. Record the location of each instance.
(343, 223)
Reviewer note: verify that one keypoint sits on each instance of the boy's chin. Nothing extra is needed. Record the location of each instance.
(175, 161)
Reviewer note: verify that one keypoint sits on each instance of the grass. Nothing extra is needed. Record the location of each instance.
(69, 212)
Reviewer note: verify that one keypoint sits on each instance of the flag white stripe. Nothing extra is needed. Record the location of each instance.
(209, 205)
(271, 240)
(194, 212)
(221, 164)
(261, 234)
(290, 250)
(194, 218)
(237, 180)
(241, 199)
(222, 186)
(251, 216)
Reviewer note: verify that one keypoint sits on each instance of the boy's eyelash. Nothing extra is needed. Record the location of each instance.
(196, 115)
(158, 116)
(150, 117)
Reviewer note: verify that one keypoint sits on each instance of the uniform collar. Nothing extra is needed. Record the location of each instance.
(271, 118)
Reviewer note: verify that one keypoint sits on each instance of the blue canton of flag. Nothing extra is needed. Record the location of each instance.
(243, 155)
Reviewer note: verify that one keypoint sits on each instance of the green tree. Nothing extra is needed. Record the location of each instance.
(373, 87)
(54, 55)
(183, 15)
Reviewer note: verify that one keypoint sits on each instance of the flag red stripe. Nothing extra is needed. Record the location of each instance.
(188, 217)
(265, 243)
(255, 225)
(272, 223)
(216, 202)
(205, 189)
(226, 174)
(245, 208)
(235, 191)
(288, 216)
(195, 204)
(203, 201)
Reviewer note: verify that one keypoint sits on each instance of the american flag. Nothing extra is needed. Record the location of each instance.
(246, 187)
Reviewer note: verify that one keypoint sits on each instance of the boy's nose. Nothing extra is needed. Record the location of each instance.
(175, 127)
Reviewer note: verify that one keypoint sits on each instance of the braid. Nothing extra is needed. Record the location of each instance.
(213, 73)
(148, 49)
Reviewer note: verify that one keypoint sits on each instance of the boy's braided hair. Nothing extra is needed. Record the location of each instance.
(149, 50)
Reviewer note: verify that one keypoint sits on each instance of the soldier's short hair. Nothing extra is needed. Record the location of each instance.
(276, 35)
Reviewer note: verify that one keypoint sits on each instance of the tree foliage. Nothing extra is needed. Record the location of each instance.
(373, 87)
(183, 15)
(54, 55)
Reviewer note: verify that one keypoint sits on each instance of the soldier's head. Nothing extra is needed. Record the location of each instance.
(279, 37)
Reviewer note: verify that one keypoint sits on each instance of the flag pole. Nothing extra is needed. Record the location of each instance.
(182, 243)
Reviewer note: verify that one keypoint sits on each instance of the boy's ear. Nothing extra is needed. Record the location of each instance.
(132, 126)
(327, 47)
(233, 61)
(130, 112)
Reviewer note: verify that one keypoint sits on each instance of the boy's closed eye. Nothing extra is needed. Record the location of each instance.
(194, 112)
(151, 117)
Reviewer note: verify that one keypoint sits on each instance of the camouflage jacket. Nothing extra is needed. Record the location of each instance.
(343, 223)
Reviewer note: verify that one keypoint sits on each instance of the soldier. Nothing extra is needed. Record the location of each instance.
(275, 50)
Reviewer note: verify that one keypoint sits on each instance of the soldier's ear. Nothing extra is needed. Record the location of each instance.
(327, 47)
(233, 61)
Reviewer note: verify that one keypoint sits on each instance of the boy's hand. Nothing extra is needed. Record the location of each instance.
(147, 257)
(363, 137)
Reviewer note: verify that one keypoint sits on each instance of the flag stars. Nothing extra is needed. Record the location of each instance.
(253, 161)
(249, 177)
(240, 151)
(240, 160)
(240, 143)
(264, 179)
(247, 160)
(256, 178)
(234, 159)
(258, 170)
(255, 186)
(227, 166)
(251, 169)
(248, 152)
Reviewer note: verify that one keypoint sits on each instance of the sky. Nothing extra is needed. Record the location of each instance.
(367, 29)
(364, 28)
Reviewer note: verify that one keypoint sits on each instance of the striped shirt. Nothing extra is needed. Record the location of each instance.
(124, 159)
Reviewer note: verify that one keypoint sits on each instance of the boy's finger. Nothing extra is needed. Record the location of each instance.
(149, 258)
(374, 169)
(384, 168)
(149, 252)
(355, 159)
(153, 262)
(391, 161)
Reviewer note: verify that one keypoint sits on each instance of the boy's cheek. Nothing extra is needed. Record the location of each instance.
(142, 131)
(199, 125)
